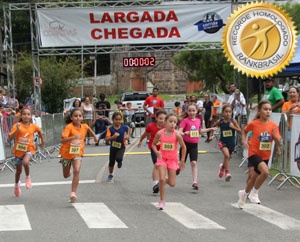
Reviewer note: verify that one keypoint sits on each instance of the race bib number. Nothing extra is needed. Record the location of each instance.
(227, 133)
(21, 147)
(75, 147)
(22, 144)
(194, 134)
(128, 120)
(168, 146)
(116, 144)
(265, 146)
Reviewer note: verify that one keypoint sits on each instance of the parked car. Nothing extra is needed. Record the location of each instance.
(137, 100)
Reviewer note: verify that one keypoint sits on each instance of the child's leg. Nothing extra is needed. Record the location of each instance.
(162, 180)
(132, 130)
(252, 176)
(226, 154)
(264, 173)
(171, 181)
(112, 161)
(26, 164)
(66, 171)
(18, 173)
(194, 170)
(76, 169)
(155, 173)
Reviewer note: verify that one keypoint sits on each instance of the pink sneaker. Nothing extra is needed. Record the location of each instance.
(161, 205)
(73, 197)
(18, 191)
(227, 176)
(28, 184)
(221, 171)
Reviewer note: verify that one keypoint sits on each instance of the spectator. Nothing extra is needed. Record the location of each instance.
(231, 91)
(101, 123)
(88, 115)
(177, 109)
(12, 102)
(103, 102)
(208, 105)
(76, 104)
(193, 99)
(238, 104)
(120, 109)
(152, 104)
(186, 103)
(292, 106)
(129, 117)
(4, 98)
(273, 95)
(216, 108)
(94, 101)
(199, 114)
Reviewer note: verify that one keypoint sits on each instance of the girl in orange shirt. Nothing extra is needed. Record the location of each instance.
(263, 132)
(72, 140)
(24, 147)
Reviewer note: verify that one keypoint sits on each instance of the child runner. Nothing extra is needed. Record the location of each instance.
(177, 109)
(72, 139)
(167, 158)
(190, 127)
(24, 148)
(117, 134)
(151, 130)
(263, 132)
(228, 126)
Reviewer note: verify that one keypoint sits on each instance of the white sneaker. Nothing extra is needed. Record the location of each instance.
(254, 197)
(242, 199)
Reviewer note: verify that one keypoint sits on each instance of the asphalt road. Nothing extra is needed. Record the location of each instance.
(123, 211)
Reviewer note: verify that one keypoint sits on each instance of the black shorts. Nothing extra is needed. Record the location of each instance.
(153, 156)
(192, 149)
(115, 155)
(254, 160)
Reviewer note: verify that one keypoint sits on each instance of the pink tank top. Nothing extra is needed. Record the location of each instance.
(168, 146)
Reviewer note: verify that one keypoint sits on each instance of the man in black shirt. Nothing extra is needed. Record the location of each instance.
(104, 103)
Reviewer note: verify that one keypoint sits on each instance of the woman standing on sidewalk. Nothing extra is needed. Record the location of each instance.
(88, 115)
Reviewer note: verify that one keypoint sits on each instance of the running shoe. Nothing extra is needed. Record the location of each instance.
(132, 136)
(120, 164)
(73, 197)
(195, 186)
(18, 190)
(253, 196)
(28, 184)
(110, 178)
(156, 188)
(227, 176)
(242, 199)
(128, 142)
(178, 171)
(221, 171)
(161, 205)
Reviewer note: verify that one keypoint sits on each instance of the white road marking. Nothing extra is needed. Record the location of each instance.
(188, 217)
(13, 218)
(49, 183)
(271, 216)
(98, 216)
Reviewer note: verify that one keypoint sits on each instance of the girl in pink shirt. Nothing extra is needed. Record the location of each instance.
(167, 158)
(190, 127)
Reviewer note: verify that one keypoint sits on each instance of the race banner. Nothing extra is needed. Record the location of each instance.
(295, 146)
(132, 25)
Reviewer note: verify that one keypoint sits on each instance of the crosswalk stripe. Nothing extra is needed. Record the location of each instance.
(98, 216)
(271, 216)
(13, 218)
(188, 217)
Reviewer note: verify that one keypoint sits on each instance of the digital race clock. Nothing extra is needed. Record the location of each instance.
(138, 61)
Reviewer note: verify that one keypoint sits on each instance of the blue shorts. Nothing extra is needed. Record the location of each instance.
(230, 147)
(19, 160)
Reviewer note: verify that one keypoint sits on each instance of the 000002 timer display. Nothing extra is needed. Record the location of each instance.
(138, 61)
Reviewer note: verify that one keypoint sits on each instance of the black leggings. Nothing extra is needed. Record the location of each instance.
(207, 124)
(115, 155)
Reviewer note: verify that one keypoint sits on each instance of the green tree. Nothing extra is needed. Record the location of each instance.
(59, 78)
(59, 75)
(293, 9)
